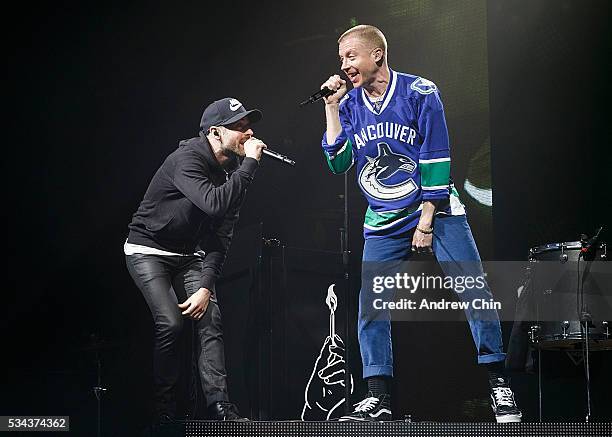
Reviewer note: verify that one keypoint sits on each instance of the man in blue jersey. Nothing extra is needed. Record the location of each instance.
(391, 125)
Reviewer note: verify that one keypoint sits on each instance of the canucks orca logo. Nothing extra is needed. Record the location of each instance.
(386, 177)
(424, 86)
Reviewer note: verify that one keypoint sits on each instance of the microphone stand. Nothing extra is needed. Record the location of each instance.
(97, 345)
(344, 242)
(99, 391)
(344, 246)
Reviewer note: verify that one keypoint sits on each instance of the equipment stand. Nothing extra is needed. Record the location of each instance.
(99, 392)
(344, 244)
(587, 369)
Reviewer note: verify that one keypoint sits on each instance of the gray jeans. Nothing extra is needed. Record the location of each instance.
(163, 281)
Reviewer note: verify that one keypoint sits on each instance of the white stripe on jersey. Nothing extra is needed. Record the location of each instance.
(437, 187)
(388, 95)
(430, 161)
(339, 152)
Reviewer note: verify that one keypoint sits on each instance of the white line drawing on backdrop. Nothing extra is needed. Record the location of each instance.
(325, 389)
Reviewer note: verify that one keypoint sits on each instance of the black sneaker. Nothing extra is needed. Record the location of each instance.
(165, 419)
(502, 401)
(371, 409)
(165, 424)
(224, 410)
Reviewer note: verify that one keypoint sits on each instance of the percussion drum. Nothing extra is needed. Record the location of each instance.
(564, 290)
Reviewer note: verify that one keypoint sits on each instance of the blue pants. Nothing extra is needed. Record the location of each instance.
(455, 250)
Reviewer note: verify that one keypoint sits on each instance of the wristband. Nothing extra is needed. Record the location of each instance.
(425, 231)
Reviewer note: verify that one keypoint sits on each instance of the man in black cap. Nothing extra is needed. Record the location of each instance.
(177, 243)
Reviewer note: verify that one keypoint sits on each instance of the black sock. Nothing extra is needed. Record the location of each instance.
(496, 370)
(378, 385)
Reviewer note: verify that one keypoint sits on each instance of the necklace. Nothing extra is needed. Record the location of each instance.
(377, 102)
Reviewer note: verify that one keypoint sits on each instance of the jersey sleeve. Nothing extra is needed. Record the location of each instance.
(434, 156)
(339, 154)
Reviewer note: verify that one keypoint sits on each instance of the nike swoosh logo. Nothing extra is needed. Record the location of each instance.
(379, 412)
(234, 106)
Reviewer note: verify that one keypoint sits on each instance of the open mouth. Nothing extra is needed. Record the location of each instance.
(353, 76)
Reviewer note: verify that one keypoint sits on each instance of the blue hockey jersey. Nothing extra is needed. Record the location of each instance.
(401, 148)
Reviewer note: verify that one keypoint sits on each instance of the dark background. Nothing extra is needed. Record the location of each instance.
(99, 95)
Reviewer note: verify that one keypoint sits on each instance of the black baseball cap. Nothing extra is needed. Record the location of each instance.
(226, 111)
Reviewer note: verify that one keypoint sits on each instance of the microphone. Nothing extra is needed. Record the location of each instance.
(276, 155)
(588, 245)
(323, 92)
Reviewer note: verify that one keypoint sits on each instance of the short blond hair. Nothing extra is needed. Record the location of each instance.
(371, 34)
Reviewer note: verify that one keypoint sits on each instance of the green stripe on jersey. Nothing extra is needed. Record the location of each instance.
(383, 218)
(343, 160)
(434, 174)
(454, 191)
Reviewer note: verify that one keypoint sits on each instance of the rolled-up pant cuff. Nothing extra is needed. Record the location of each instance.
(491, 358)
(377, 371)
(219, 396)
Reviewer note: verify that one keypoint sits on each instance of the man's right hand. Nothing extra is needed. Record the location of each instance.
(195, 306)
(337, 84)
(253, 148)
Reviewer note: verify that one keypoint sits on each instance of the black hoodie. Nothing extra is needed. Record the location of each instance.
(191, 203)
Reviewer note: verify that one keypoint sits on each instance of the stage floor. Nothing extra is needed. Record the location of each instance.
(382, 429)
